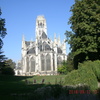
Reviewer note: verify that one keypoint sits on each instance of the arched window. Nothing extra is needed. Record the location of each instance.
(46, 46)
(59, 50)
(32, 65)
(59, 61)
(48, 62)
(53, 62)
(40, 25)
(42, 62)
(27, 62)
(44, 43)
(40, 47)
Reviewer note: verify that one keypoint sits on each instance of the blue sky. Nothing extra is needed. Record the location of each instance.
(20, 16)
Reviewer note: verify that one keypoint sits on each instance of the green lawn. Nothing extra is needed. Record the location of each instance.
(15, 88)
(14, 85)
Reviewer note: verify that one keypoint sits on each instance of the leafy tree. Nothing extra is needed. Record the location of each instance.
(84, 39)
(66, 66)
(2, 35)
(8, 67)
(10, 63)
(62, 69)
(2, 30)
(7, 71)
(70, 65)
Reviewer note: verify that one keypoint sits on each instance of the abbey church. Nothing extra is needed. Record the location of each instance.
(43, 55)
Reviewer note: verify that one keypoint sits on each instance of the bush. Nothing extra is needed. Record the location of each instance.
(87, 73)
(8, 71)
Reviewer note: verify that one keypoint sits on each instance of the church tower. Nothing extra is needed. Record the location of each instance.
(41, 26)
(42, 56)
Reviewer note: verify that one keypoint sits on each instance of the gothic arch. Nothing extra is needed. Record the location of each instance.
(59, 50)
(42, 62)
(46, 46)
(44, 43)
(48, 62)
(32, 64)
(27, 63)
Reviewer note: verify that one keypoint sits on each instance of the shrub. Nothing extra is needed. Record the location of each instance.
(87, 73)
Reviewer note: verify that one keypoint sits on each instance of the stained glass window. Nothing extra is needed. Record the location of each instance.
(32, 65)
(59, 50)
(42, 62)
(27, 67)
(48, 62)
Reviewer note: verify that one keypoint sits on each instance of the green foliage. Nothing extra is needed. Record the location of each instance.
(10, 63)
(94, 66)
(7, 67)
(62, 69)
(2, 35)
(66, 66)
(87, 73)
(2, 30)
(85, 23)
(70, 65)
(8, 71)
(14, 88)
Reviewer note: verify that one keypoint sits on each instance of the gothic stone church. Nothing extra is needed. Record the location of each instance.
(43, 55)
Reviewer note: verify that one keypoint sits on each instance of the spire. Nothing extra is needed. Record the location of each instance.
(55, 39)
(23, 42)
(23, 38)
(59, 43)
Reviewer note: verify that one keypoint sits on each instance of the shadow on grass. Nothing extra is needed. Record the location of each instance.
(13, 78)
(55, 92)
(13, 88)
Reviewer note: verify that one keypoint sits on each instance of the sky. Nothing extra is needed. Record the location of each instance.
(20, 17)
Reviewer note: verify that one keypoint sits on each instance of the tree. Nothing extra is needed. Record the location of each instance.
(10, 63)
(62, 69)
(84, 39)
(2, 35)
(66, 66)
(8, 67)
(70, 65)
(2, 30)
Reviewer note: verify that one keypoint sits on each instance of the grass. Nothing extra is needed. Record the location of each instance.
(16, 84)
(15, 88)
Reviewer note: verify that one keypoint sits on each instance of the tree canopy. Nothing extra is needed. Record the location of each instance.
(84, 39)
(2, 30)
(2, 35)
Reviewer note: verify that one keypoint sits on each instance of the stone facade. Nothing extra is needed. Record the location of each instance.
(43, 55)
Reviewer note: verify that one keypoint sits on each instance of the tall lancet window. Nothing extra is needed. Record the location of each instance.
(53, 62)
(48, 62)
(42, 62)
(27, 61)
(59, 61)
(32, 64)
